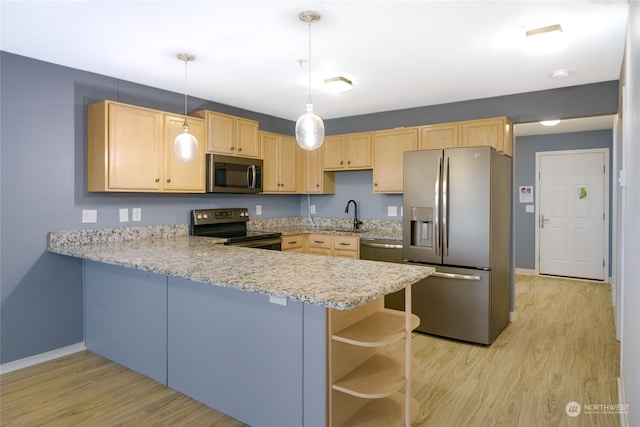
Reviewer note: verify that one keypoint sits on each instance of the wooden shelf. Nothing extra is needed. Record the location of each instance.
(385, 412)
(382, 375)
(381, 328)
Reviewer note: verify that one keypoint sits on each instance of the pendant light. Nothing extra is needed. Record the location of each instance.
(309, 127)
(185, 146)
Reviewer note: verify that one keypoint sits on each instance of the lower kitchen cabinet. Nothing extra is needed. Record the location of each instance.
(333, 245)
(294, 243)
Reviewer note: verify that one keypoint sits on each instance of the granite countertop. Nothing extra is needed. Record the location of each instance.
(332, 282)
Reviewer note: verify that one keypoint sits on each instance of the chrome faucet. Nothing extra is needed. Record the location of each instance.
(356, 221)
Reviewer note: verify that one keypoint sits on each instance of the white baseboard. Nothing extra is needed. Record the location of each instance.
(526, 271)
(40, 358)
(512, 316)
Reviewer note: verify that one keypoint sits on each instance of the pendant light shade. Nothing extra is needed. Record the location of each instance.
(309, 130)
(185, 146)
(309, 127)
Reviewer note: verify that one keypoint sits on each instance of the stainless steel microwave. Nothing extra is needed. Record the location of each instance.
(228, 174)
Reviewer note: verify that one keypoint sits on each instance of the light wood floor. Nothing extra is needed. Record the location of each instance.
(560, 349)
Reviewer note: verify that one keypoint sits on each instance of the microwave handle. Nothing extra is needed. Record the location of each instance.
(251, 176)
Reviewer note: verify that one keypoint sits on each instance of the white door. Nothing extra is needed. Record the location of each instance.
(572, 213)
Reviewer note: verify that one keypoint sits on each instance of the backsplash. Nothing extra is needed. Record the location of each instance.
(325, 223)
(107, 235)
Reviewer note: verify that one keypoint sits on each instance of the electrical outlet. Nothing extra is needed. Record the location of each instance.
(89, 216)
(136, 214)
(312, 209)
(124, 215)
(392, 211)
(258, 209)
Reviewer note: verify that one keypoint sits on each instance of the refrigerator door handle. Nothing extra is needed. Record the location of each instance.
(445, 210)
(456, 276)
(436, 204)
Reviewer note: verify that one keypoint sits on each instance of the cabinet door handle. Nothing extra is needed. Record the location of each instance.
(375, 184)
(239, 148)
(341, 162)
(349, 162)
(293, 242)
(168, 179)
(318, 241)
(345, 244)
(157, 179)
(232, 148)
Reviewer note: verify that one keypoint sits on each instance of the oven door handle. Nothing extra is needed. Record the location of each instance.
(257, 243)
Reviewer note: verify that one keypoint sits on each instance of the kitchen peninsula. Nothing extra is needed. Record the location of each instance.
(245, 331)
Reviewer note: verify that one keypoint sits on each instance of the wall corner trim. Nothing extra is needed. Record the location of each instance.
(41, 358)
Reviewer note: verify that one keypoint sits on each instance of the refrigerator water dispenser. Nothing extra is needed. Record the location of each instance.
(421, 226)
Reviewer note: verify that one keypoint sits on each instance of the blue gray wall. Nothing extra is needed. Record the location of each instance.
(43, 181)
(525, 168)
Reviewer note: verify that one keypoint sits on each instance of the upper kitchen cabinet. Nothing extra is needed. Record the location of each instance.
(230, 135)
(347, 152)
(316, 180)
(283, 161)
(495, 132)
(388, 151)
(439, 136)
(130, 149)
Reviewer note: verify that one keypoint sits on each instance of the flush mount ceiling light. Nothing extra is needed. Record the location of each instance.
(338, 84)
(185, 146)
(560, 74)
(549, 122)
(309, 127)
(551, 29)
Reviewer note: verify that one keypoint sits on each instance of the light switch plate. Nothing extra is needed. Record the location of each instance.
(312, 209)
(89, 216)
(530, 208)
(392, 210)
(258, 209)
(124, 215)
(136, 214)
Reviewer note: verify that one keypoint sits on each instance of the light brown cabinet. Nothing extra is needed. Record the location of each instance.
(316, 180)
(283, 161)
(230, 135)
(329, 245)
(495, 132)
(439, 136)
(130, 149)
(388, 151)
(347, 152)
(294, 243)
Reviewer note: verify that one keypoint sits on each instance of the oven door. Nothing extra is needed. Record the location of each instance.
(271, 244)
(226, 174)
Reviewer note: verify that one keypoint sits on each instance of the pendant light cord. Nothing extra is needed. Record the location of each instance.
(185, 88)
(309, 64)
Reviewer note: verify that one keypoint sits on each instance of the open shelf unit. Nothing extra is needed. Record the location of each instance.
(366, 378)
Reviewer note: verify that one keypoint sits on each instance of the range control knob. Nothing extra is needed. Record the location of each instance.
(199, 216)
(205, 216)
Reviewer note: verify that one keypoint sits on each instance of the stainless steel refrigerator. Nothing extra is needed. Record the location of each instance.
(457, 218)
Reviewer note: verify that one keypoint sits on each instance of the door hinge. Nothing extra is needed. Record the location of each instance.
(602, 263)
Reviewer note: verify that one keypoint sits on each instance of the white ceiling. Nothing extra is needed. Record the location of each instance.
(399, 54)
